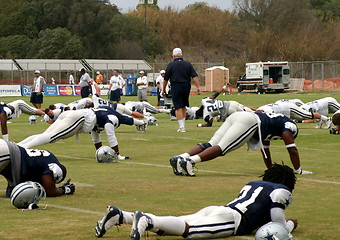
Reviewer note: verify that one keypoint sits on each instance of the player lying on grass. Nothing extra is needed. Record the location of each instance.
(93, 121)
(13, 110)
(294, 112)
(211, 108)
(19, 165)
(255, 129)
(258, 203)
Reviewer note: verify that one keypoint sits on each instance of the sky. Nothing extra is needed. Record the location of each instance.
(126, 5)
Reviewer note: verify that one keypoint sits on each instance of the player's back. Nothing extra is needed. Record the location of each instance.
(255, 201)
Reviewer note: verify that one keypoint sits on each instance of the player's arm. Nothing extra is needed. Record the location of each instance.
(197, 82)
(51, 189)
(3, 122)
(208, 123)
(165, 83)
(277, 215)
(219, 91)
(266, 154)
(293, 152)
(111, 136)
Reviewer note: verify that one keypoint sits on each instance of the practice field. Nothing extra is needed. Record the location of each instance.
(146, 182)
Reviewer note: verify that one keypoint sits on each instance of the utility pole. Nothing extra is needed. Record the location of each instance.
(145, 3)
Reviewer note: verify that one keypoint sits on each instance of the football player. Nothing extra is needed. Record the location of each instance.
(323, 106)
(336, 122)
(122, 109)
(255, 129)
(18, 164)
(143, 107)
(258, 203)
(293, 111)
(14, 110)
(70, 123)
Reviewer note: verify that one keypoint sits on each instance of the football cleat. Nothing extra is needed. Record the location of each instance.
(182, 130)
(175, 164)
(141, 222)
(318, 123)
(302, 172)
(188, 167)
(328, 123)
(113, 217)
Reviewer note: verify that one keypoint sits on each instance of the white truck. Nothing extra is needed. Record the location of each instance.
(265, 76)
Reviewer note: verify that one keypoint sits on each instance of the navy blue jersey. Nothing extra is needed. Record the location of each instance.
(5, 109)
(273, 125)
(35, 163)
(255, 201)
(179, 71)
(102, 114)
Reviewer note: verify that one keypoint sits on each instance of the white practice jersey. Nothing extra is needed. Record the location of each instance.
(80, 104)
(278, 108)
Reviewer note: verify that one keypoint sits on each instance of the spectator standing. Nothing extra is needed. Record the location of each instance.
(37, 90)
(99, 78)
(179, 73)
(116, 84)
(85, 82)
(142, 84)
(71, 79)
(159, 84)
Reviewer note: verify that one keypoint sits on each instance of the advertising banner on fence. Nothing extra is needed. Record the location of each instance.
(10, 90)
(65, 90)
(77, 90)
(26, 90)
(50, 90)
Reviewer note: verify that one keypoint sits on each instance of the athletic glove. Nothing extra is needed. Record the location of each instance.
(68, 187)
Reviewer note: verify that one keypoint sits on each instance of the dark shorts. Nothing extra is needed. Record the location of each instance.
(85, 92)
(180, 94)
(36, 98)
(115, 95)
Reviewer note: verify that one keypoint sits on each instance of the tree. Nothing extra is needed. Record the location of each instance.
(58, 43)
(15, 46)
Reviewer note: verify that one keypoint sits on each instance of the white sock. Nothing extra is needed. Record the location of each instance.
(181, 123)
(184, 155)
(196, 158)
(170, 225)
(324, 118)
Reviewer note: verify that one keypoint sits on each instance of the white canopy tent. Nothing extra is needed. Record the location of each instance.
(20, 70)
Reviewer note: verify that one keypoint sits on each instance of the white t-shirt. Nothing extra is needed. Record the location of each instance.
(144, 80)
(85, 80)
(38, 82)
(116, 82)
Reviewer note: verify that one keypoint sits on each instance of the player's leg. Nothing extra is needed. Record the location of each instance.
(211, 222)
(27, 109)
(333, 104)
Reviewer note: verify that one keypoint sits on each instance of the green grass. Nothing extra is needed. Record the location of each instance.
(147, 183)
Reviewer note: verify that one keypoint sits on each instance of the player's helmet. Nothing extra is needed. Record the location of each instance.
(105, 154)
(26, 194)
(273, 231)
(152, 121)
(32, 119)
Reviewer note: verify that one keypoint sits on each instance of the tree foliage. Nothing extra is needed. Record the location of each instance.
(256, 30)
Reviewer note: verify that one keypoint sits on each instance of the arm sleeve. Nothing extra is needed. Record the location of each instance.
(110, 133)
(277, 215)
(95, 137)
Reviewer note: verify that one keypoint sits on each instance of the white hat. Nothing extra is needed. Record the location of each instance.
(37, 71)
(162, 71)
(98, 72)
(141, 72)
(177, 52)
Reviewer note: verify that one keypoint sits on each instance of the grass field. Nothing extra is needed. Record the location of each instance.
(146, 182)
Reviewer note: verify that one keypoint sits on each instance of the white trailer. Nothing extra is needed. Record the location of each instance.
(265, 76)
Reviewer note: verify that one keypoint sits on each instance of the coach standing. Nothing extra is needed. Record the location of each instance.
(180, 73)
(37, 90)
(85, 82)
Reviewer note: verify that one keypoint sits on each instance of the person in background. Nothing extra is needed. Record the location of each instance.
(99, 78)
(159, 84)
(116, 84)
(37, 96)
(71, 79)
(85, 81)
(180, 73)
(142, 84)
